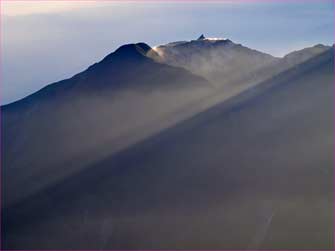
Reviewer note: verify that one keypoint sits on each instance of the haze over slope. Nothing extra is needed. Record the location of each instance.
(255, 171)
(119, 101)
(68, 124)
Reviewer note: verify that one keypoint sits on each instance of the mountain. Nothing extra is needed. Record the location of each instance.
(288, 61)
(60, 129)
(253, 172)
(229, 66)
(221, 61)
(299, 56)
(126, 97)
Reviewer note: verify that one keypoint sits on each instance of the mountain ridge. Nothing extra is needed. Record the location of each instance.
(227, 64)
(96, 107)
(117, 96)
(220, 61)
(221, 188)
(125, 56)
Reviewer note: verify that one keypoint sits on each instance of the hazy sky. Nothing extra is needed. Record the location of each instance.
(43, 42)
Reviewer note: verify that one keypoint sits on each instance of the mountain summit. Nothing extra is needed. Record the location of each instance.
(128, 53)
(202, 37)
(221, 61)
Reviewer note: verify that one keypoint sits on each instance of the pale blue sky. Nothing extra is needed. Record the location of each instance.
(47, 42)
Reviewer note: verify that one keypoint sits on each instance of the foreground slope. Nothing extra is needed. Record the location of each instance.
(109, 106)
(253, 172)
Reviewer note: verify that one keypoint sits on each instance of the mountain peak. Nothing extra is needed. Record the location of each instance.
(202, 37)
(128, 52)
(133, 49)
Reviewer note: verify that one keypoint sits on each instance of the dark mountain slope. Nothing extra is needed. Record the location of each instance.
(112, 104)
(253, 172)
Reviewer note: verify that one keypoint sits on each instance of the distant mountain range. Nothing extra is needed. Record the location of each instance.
(194, 144)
